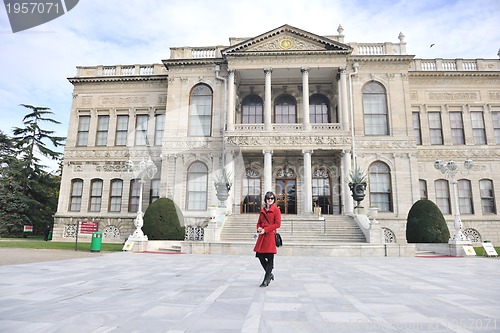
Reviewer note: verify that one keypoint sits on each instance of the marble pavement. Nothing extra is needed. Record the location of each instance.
(146, 292)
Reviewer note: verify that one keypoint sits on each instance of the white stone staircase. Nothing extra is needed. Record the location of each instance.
(297, 229)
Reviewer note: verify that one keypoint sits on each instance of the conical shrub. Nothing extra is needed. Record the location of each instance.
(426, 224)
(163, 220)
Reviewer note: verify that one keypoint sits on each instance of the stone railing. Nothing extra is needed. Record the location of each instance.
(378, 48)
(286, 128)
(196, 52)
(455, 65)
(121, 70)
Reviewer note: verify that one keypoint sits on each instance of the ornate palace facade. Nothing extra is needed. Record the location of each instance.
(286, 111)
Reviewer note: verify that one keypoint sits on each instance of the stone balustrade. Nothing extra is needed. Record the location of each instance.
(455, 65)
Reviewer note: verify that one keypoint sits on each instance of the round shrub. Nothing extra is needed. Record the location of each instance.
(426, 224)
(163, 220)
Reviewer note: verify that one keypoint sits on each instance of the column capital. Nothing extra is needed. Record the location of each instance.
(342, 70)
(231, 71)
(268, 70)
(307, 151)
(304, 70)
(267, 151)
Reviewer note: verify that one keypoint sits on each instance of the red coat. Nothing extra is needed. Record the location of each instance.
(266, 243)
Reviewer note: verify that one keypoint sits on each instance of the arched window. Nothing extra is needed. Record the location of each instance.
(285, 110)
(375, 109)
(319, 109)
(322, 189)
(197, 186)
(200, 110)
(443, 195)
(251, 110)
(487, 196)
(134, 195)
(465, 197)
(380, 186)
(76, 195)
(115, 195)
(95, 195)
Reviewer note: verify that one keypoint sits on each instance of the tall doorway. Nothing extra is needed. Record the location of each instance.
(286, 195)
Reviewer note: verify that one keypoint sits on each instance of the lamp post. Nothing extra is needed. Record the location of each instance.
(144, 169)
(450, 169)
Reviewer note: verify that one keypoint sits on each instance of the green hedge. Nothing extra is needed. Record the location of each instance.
(426, 224)
(163, 220)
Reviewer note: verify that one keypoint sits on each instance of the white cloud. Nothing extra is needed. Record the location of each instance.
(35, 63)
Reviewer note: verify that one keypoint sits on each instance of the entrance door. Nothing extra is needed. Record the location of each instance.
(286, 198)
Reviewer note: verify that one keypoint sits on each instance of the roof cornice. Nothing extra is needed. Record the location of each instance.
(117, 78)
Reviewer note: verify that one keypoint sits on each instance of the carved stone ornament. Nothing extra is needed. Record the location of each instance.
(290, 141)
(287, 43)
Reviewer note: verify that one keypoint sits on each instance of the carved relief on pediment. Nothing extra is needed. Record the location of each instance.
(286, 43)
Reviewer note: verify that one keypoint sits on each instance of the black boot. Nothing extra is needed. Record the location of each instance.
(264, 283)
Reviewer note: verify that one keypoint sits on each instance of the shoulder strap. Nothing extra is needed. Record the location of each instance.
(265, 216)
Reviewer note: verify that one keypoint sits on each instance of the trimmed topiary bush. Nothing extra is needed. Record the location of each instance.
(426, 224)
(163, 220)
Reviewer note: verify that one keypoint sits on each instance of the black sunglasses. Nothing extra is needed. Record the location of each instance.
(270, 198)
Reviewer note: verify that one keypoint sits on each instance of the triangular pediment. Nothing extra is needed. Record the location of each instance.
(286, 39)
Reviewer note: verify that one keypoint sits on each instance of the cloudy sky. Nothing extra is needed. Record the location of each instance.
(36, 63)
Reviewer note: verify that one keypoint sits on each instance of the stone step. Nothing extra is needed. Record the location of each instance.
(297, 228)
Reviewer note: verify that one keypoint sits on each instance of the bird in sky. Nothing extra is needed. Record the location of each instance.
(431, 45)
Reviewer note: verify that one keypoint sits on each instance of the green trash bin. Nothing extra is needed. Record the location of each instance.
(95, 245)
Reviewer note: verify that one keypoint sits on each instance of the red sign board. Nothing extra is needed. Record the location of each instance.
(28, 228)
(87, 227)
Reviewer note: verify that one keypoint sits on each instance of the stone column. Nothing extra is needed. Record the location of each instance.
(231, 102)
(267, 100)
(346, 191)
(305, 99)
(307, 187)
(343, 98)
(268, 170)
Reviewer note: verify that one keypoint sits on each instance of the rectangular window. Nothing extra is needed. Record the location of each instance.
(423, 189)
(375, 114)
(121, 130)
(416, 128)
(95, 196)
(76, 195)
(197, 191)
(200, 116)
(496, 126)
(251, 195)
(159, 128)
(141, 130)
(443, 196)
(102, 130)
(457, 128)
(154, 193)
(487, 196)
(435, 128)
(465, 197)
(83, 131)
(115, 196)
(478, 131)
(135, 191)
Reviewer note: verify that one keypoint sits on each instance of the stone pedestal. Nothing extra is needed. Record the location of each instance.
(456, 248)
(139, 245)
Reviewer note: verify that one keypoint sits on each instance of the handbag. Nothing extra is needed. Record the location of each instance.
(279, 241)
(277, 236)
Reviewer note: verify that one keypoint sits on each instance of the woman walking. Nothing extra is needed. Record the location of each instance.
(265, 247)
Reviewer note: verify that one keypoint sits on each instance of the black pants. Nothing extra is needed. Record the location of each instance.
(267, 262)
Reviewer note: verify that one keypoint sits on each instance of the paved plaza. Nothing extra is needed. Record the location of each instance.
(146, 292)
